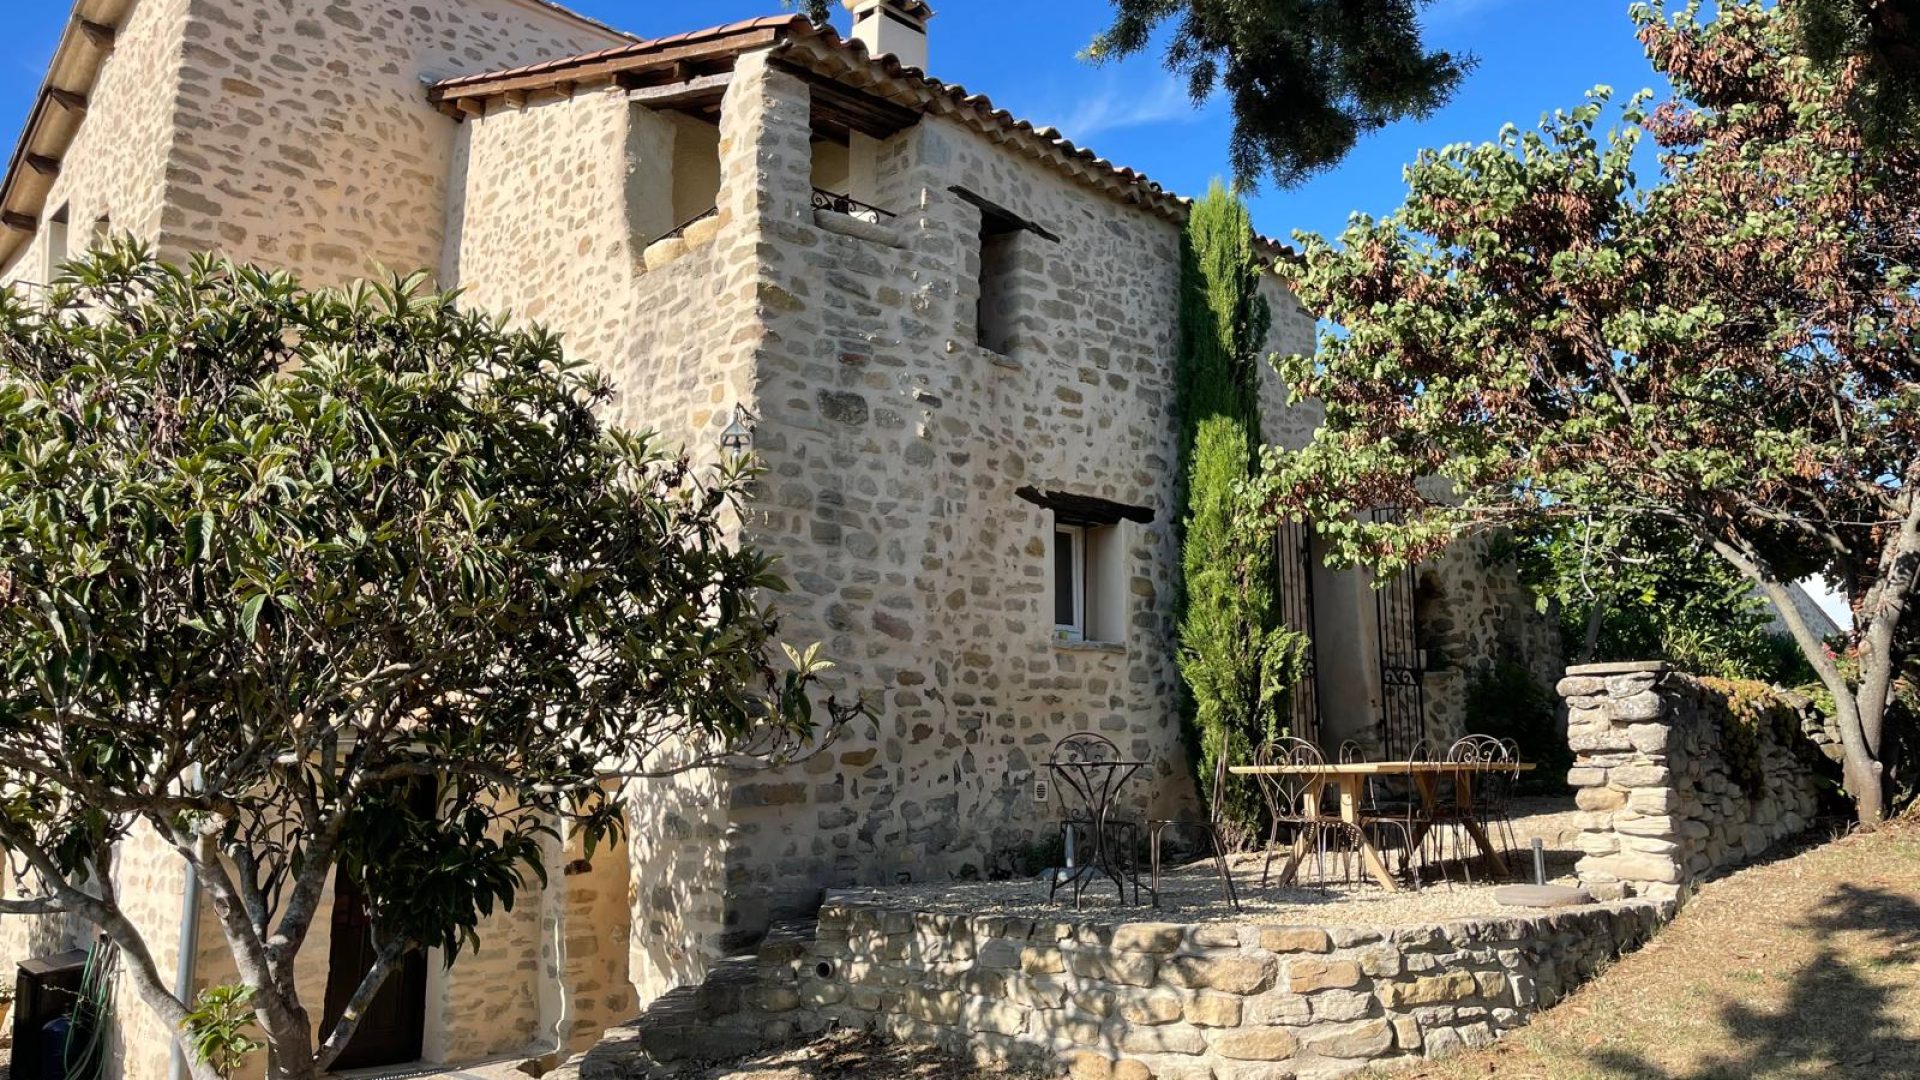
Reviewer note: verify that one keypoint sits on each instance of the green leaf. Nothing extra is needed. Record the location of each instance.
(250, 615)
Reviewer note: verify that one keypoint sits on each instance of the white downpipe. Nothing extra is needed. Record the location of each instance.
(554, 897)
(185, 961)
(563, 1025)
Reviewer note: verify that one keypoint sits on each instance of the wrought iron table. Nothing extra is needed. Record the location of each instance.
(1098, 784)
(1351, 779)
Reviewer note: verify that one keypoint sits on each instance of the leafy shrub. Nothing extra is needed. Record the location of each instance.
(216, 1029)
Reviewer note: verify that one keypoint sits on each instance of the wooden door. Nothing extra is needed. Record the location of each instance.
(394, 1027)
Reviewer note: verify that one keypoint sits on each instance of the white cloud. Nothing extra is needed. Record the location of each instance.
(1122, 102)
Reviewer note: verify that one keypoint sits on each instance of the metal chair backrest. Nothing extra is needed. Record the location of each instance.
(1289, 796)
(1479, 750)
(1351, 753)
(1492, 787)
(1082, 762)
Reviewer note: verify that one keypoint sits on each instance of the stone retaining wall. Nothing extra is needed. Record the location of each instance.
(1679, 776)
(1140, 1000)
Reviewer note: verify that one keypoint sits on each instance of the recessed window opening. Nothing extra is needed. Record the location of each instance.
(696, 169)
(1089, 581)
(57, 244)
(995, 321)
(1070, 582)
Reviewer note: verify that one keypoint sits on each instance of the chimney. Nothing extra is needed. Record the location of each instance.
(893, 26)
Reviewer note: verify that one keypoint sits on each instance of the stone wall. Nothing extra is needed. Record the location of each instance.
(896, 443)
(1680, 776)
(305, 138)
(1141, 1001)
(1472, 613)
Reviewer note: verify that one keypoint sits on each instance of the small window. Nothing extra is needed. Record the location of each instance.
(1089, 583)
(57, 251)
(999, 252)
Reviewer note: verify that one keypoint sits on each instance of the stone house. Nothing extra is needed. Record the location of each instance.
(951, 335)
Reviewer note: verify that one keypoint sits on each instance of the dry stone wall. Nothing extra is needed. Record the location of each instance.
(1679, 776)
(1141, 1001)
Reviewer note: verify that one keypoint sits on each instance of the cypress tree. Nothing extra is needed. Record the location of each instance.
(1236, 658)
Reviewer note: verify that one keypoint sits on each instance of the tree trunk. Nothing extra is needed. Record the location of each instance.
(1865, 773)
(1595, 619)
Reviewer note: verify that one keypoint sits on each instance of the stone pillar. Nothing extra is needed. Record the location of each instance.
(1680, 776)
(766, 146)
(1619, 726)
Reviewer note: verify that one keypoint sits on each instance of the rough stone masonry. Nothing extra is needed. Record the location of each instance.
(1679, 776)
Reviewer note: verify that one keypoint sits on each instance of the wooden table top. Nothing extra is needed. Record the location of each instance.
(1383, 768)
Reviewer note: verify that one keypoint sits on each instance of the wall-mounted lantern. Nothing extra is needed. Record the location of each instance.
(738, 438)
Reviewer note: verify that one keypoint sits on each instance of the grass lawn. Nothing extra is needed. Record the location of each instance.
(1804, 967)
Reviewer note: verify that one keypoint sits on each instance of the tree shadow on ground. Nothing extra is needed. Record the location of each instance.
(1834, 1022)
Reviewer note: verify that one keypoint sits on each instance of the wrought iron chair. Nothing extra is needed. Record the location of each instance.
(1491, 806)
(1091, 767)
(1426, 811)
(1291, 800)
(1156, 831)
(1396, 816)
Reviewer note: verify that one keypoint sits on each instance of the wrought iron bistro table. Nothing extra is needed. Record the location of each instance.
(1351, 779)
(1098, 783)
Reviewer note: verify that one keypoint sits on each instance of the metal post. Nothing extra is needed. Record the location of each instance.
(1539, 861)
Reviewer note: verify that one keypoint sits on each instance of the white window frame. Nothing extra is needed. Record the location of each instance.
(1076, 537)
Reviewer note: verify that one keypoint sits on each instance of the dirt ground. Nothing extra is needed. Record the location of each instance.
(1804, 967)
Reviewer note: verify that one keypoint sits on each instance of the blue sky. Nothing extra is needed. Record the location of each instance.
(1535, 56)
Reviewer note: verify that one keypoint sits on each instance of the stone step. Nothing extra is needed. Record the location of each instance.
(788, 941)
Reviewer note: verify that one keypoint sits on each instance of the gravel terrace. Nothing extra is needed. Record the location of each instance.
(1192, 894)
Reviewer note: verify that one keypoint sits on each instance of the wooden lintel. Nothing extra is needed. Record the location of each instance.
(21, 222)
(67, 99)
(98, 33)
(43, 165)
(1010, 219)
(701, 90)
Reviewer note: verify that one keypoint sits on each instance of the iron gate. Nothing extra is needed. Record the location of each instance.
(1294, 562)
(1403, 706)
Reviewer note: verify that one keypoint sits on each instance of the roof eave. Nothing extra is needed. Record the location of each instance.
(54, 119)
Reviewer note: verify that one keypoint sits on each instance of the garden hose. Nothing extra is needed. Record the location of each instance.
(86, 1049)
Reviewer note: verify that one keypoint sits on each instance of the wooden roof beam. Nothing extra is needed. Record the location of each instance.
(100, 34)
(608, 69)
